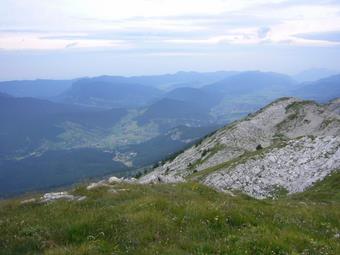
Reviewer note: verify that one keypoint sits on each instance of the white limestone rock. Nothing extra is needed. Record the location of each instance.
(298, 165)
(28, 201)
(52, 196)
(294, 167)
(334, 105)
(129, 180)
(156, 178)
(95, 185)
(114, 179)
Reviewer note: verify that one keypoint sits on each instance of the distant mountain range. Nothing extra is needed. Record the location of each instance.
(119, 91)
(252, 82)
(35, 88)
(44, 88)
(109, 92)
(180, 111)
(314, 74)
(128, 117)
(4, 95)
(195, 96)
(28, 123)
(320, 90)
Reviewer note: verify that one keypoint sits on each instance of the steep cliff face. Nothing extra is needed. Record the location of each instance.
(286, 146)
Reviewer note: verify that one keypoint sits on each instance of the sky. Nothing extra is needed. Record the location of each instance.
(75, 38)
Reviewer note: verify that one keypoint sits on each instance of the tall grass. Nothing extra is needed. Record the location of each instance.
(173, 219)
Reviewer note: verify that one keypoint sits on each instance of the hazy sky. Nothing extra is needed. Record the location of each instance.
(73, 38)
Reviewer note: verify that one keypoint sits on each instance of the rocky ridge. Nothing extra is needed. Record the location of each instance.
(334, 105)
(287, 145)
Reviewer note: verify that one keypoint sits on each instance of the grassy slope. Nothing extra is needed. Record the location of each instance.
(327, 190)
(175, 219)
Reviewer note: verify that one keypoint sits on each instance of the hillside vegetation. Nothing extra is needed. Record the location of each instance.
(174, 219)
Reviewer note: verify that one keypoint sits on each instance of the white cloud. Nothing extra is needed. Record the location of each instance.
(34, 41)
(162, 23)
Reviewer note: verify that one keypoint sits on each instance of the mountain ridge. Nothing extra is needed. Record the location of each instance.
(277, 129)
(321, 90)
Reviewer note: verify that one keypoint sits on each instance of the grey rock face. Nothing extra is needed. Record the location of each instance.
(161, 178)
(233, 141)
(109, 182)
(334, 105)
(293, 167)
(53, 196)
(95, 185)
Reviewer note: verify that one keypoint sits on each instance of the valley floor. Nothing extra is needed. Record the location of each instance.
(186, 218)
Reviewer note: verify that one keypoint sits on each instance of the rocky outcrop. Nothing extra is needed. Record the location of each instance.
(64, 195)
(293, 168)
(49, 197)
(53, 196)
(161, 178)
(95, 185)
(334, 105)
(109, 182)
(290, 130)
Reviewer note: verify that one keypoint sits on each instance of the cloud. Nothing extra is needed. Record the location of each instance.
(71, 45)
(333, 36)
(37, 41)
(82, 24)
(263, 32)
